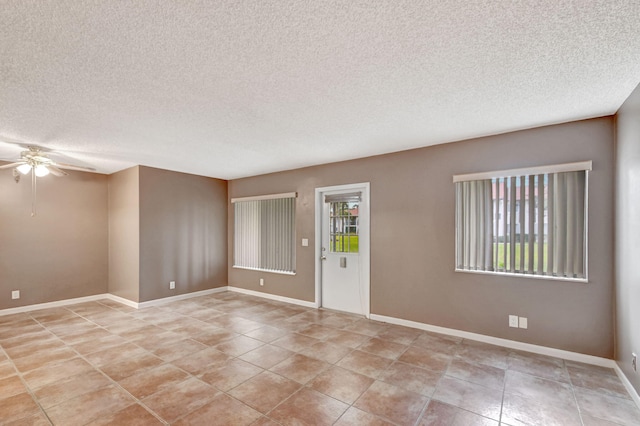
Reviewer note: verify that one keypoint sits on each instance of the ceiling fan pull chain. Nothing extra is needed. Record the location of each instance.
(33, 192)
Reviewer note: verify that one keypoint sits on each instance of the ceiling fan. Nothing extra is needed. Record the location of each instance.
(37, 162)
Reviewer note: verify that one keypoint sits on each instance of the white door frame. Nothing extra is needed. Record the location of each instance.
(364, 240)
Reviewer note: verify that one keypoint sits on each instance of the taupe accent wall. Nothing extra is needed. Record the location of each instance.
(412, 238)
(61, 253)
(628, 235)
(166, 226)
(124, 234)
(183, 230)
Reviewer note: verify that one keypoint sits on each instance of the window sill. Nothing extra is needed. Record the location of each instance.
(264, 270)
(538, 277)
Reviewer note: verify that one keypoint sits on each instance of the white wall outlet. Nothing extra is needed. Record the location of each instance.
(15, 294)
(513, 321)
(522, 322)
(261, 281)
(172, 285)
(634, 362)
(305, 242)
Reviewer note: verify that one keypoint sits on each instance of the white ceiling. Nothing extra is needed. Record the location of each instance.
(231, 88)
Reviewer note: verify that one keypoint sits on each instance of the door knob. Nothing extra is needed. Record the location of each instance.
(323, 257)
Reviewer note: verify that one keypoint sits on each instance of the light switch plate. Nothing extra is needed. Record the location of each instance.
(305, 242)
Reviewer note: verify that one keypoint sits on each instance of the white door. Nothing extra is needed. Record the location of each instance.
(344, 241)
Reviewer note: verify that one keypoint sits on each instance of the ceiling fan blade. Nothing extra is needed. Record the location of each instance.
(56, 171)
(72, 167)
(10, 165)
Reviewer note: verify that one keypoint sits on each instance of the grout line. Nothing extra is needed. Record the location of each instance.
(26, 386)
(98, 369)
(114, 382)
(504, 391)
(573, 392)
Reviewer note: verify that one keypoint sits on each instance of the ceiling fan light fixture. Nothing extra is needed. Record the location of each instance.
(24, 168)
(41, 170)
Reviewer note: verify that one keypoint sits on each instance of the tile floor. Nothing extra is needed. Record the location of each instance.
(232, 359)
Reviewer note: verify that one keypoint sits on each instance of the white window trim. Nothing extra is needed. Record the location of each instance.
(586, 166)
(265, 197)
(520, 275)
(556, 168)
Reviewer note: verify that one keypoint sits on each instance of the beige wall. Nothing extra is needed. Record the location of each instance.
(124, 234)
(183, 227)
(412, 202)
(128, 234)
(628, 235)
(61, 253)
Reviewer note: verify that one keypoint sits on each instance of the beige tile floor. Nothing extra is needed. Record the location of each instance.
(232, 359)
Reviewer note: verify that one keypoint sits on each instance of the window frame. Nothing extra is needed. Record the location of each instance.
(585, 166)
(293, 247)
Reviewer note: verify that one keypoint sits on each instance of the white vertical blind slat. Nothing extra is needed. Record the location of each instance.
(522, 209)
(560, 215)
(512, 227)
(474, 225)
(551, 224)
(504, 222)
(541, 241)
(488, 228)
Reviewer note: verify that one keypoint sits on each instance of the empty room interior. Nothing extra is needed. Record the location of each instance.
(317, 213)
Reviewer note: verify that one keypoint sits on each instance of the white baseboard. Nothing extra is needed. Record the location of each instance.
(512, 344)
(273, 297)
(627, 384)
(113, 297)
(184, 296)
(122, 300)
(56, 304)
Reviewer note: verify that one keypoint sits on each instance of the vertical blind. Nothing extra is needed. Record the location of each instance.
(526, 224)
(474, 225)
(264, 234)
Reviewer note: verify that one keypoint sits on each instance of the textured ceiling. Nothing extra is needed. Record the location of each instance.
(231, 88)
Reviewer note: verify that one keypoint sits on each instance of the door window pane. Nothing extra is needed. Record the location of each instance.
(343, 227)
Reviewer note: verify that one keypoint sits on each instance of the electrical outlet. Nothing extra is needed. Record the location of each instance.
(513, 321)
(522, 322)
(172, 285)
(15, 294)
(634, 362)
(261, 281)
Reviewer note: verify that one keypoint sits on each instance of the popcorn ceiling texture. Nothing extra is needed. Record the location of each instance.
(237, 88)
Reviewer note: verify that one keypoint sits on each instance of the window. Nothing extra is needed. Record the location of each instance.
(264, 233)
(527, 221)
(344, 224)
